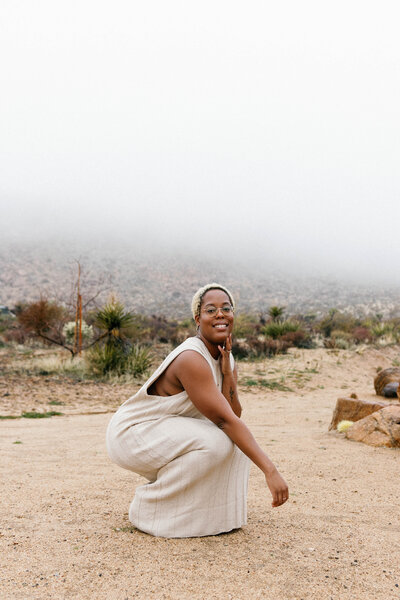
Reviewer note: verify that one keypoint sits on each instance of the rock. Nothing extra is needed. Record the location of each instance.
(390, 390)
(353, 409)
(381, 428)
(384, 377)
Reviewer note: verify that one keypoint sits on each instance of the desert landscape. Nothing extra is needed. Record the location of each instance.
(65, 531)
(152, 148)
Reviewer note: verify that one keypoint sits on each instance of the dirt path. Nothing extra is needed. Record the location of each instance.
(65, 532)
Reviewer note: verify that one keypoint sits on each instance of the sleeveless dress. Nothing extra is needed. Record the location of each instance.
(197, 476)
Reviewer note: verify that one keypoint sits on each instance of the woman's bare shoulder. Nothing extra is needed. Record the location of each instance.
(189, 358)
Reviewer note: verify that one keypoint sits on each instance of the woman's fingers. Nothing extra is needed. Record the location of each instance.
(281, 499)
(279, 489)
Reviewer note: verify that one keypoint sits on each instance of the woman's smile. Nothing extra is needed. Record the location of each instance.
(222, 326)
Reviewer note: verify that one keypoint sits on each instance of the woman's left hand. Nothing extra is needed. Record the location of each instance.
(224, 358)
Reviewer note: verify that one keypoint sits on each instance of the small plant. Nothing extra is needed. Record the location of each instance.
(113, 319)
(277, 329)
(382, 329)
(118, 360)
(271, 384)
(69, 332)
(39, 415)
(276, 312)
(343, 426)
(105, 359)
(245, 325)
(139, 360)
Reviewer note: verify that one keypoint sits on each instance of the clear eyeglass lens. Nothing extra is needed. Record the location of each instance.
(212, 311)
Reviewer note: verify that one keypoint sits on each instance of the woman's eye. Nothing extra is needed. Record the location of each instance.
(210, 311)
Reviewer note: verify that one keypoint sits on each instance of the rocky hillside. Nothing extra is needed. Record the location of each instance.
(164, 282)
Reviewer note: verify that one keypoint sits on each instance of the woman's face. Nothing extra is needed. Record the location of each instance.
(215, 327)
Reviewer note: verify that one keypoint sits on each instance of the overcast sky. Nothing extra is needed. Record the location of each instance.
(264, 129)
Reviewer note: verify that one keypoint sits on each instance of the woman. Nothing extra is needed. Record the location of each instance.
(182, 431)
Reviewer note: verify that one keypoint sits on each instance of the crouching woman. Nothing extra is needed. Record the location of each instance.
(182, 431)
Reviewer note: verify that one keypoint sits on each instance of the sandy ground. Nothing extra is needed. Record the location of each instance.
(65, 531)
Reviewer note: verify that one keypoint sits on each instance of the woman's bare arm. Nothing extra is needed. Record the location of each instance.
(229, 390)
(195, 376)
(229, 381)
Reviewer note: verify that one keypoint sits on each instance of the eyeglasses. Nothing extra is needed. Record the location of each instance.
(211, 311)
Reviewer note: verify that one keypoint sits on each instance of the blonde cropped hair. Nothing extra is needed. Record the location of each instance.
(198, 297)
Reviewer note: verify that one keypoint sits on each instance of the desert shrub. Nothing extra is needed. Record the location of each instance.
(118, 359)
(361, 335)
(103, 359)
(138, 360)
(43, 318)
(342, 343)
(240, 348)
(336, 320)
(276, 312)
(258, 347)
(245, 325)
(272, 347)
(150, 329)
(382, 329)
(277, 329)
(16, 334)
(163, 330)
(69, 332)
(299, 339)
(338, 339)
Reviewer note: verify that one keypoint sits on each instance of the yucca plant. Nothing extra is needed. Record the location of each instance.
(113, 319)
(276, 312)
(116, 354)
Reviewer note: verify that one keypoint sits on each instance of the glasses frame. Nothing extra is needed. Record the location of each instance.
(225, 310)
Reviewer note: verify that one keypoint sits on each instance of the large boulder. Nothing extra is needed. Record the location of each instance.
(381, 428)
(391, 375)
(353, 409)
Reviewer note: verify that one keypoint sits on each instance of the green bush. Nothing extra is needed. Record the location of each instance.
(245, 325)
(139, 360)
(299, 339)
(336, 320)
(118, 359)
(382, 329)
(259, 347)
(339, 339)
(105, 359)
(276, 329)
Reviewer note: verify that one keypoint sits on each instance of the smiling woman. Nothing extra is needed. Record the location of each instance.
(182, 431)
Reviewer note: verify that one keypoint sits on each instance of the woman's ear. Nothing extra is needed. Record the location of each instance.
(197, 321)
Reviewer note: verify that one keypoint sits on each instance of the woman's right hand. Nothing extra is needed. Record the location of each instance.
(278, 488)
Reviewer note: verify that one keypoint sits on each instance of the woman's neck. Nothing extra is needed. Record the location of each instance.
(212, 348)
